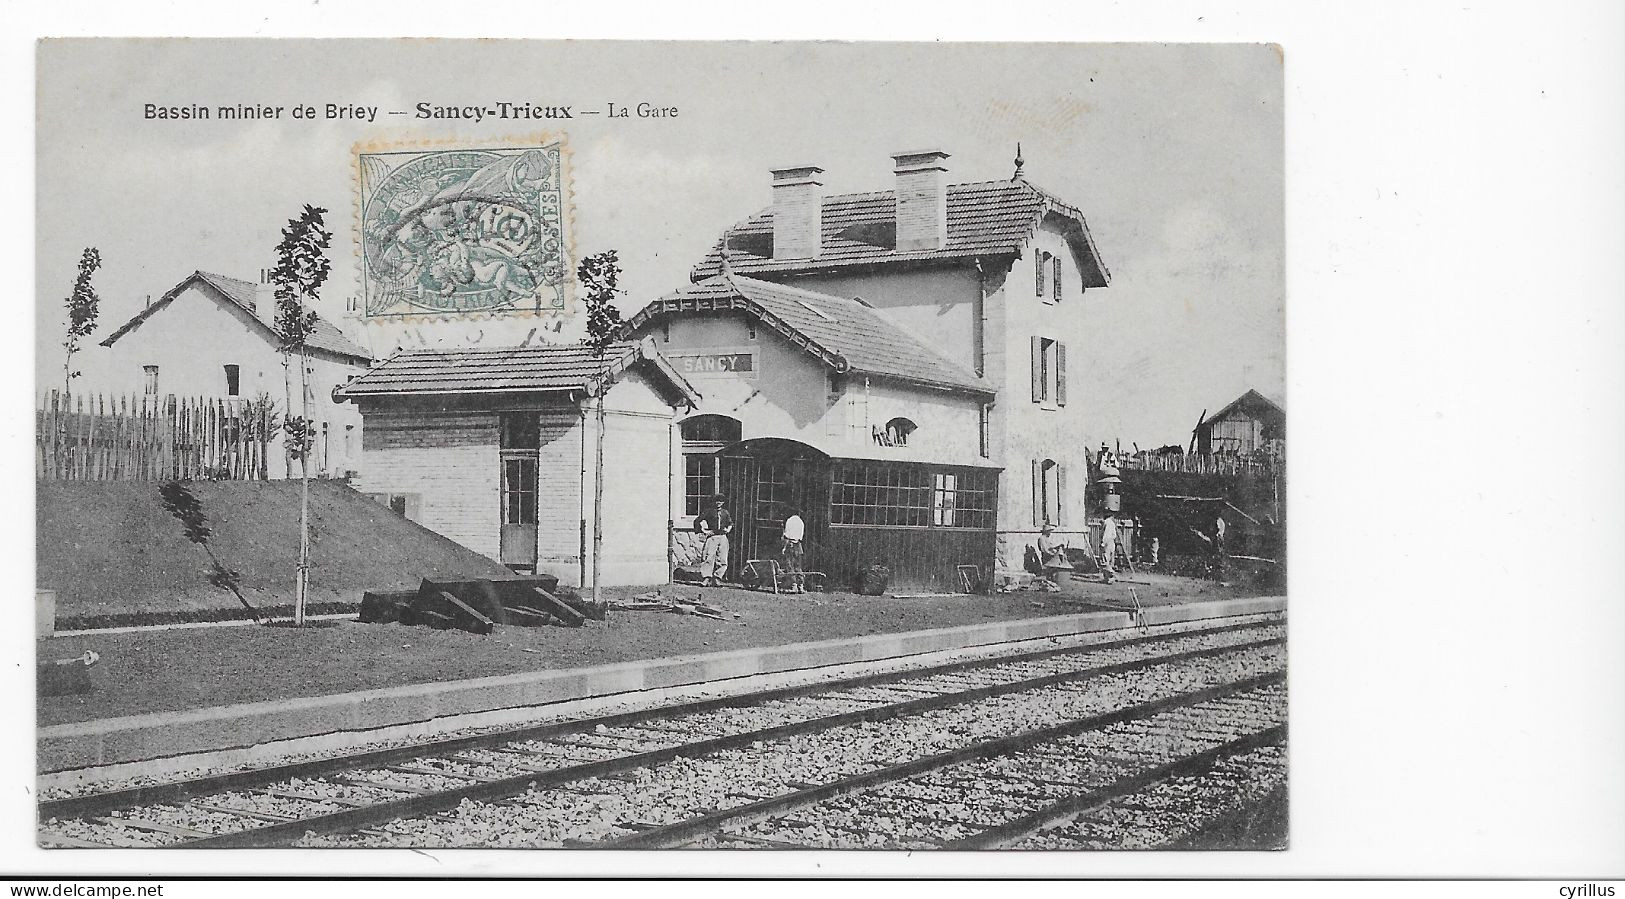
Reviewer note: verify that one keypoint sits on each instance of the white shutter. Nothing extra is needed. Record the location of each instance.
(1038, 493)
(1060, 373)
(1039, 394)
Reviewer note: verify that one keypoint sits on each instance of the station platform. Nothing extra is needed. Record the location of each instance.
(181, 691)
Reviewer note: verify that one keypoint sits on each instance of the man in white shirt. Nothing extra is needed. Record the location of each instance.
(1108, 547)
(795, 531)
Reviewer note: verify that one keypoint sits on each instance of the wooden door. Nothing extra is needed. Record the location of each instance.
(759, 490)
(519, 494)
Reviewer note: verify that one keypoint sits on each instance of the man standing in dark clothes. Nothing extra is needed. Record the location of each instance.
(715, 525)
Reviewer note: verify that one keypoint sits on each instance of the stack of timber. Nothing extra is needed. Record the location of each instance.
(655, 601)
(479, 606)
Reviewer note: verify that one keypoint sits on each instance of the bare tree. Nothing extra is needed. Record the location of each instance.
(301, 268)
(83, 307)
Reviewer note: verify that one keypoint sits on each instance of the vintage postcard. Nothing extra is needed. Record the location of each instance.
(719, 445)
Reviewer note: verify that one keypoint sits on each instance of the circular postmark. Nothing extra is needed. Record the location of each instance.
(461, 231)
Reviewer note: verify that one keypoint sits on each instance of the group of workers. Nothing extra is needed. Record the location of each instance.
(716, 524)
(1052, 553)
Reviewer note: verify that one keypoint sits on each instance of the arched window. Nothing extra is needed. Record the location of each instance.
(718, 429)
(896, 433)
(703, 435)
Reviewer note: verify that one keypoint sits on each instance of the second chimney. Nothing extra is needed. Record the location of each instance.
(922, 201)
(798, 212)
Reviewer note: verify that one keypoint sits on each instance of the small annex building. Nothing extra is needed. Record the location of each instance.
(211, 336)
(497, 450)
(1252, 423)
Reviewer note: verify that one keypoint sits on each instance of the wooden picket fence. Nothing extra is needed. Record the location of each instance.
(151, 438)
(1229, 464)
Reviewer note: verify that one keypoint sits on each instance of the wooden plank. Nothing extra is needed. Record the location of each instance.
(391, 785)
(63, 841)
(154, 827)
(414, 769)
(559, 608)
(226, 810)
(472, 613)
(312, 797)
(528, 617)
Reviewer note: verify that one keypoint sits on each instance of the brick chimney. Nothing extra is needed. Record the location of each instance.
(922, 201)
(798, 212)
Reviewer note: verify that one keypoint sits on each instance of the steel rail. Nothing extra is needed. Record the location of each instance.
(1003, 834)
(1265, 814)
(99, 803)
(358, 818)
(713, 823)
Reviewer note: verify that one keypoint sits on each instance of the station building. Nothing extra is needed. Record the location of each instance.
(496, 449)
(821, 403)
(893, 363)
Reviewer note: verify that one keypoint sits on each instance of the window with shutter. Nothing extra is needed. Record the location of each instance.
(1060, 494)
(1057, 279)
(1038, 494)
(1038, 273)
(1039, 394)
(1060, 373)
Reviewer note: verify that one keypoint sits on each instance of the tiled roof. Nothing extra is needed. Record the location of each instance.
(541, 368)
(984, 218)
(848, 335)
(325, 337)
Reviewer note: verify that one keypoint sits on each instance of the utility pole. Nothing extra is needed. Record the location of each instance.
(598, 489)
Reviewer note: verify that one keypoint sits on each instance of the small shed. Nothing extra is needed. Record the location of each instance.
(496, 449)
(1252, 423)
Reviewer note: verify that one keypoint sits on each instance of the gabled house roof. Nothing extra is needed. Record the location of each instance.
(987, 218)
(1255, 404)
(325, 338)
(847, 335)
(543, 368)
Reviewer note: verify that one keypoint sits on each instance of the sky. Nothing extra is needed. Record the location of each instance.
(1173, 152)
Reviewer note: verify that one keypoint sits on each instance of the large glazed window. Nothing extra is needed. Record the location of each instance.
(869, 494)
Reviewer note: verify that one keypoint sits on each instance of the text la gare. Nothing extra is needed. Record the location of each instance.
(643, 111)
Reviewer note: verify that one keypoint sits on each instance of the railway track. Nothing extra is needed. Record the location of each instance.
(742, 771)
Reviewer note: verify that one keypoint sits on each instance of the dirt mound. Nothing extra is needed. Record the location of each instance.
(110, 550)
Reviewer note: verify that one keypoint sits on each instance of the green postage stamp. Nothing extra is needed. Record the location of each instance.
(463, 232)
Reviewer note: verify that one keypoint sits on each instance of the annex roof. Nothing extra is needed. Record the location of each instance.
(848, 335)
(325, 338)
(1253, 402)
(986, 218)
(542, 368)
